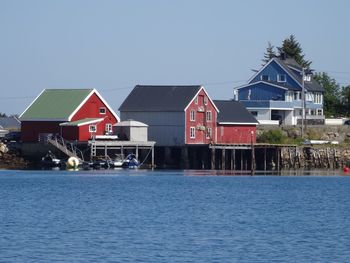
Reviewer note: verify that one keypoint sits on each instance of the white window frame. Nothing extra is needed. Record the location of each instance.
(108, 127)
(192, 115)
(268, 77)
(192, 132)
(209, 116)
(102, 110)
(205, 100)
(92, 128)
(196, 100)
(209, 133)
(279, 78)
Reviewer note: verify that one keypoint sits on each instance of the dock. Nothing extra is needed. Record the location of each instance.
(122, 147)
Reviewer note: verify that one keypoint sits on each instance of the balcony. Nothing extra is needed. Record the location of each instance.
(279, 104)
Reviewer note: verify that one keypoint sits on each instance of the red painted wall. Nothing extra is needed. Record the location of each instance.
(236, 133)
(200, 120)
(32, 129)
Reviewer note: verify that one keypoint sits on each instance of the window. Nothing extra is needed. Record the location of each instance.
(192, 115)
(192, 132)
(92, 128)
(289, 96)
(209, 133)
(254, 113)
(102, 110)
(307, 78)
(108, 127)
(319, 112)
(205, 100)
(317, 98)
(281, 78)
(297, 95)
(208, 116)
(196, 100)
(265, 77)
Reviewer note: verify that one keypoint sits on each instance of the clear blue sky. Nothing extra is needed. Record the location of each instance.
(114, 45)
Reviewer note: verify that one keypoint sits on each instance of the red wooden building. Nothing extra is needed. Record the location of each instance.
(176, 115)
(235, 124)
(75, 114)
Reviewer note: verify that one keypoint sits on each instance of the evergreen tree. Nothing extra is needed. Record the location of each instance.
(346, 100)
(269, 54)
(292, 49)
(332, 104)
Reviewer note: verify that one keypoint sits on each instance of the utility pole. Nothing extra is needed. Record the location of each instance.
(305, 73)
(302, 102)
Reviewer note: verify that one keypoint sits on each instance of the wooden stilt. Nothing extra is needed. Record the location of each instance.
(265, 159)
(234, 159)
(152, 157)
(223, 159)
(212, 165)
(278, 159)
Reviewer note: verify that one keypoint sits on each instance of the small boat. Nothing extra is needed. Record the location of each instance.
(50, 160)
(99, 163)
(117, 162)
(130, 161)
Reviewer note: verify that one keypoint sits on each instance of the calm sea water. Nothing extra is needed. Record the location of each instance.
(172, 216)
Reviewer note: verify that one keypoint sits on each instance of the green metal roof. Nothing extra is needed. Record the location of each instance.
(81, 122)
(56, 104)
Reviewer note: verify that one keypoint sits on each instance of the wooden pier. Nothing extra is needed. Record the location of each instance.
(243, 156)
(106, 146)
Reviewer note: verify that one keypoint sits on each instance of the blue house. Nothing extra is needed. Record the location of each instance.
(275, 94)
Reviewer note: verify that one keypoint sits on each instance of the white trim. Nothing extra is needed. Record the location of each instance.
(31, 103)
(261, 69)
(208, 113)
(206, 93)
(92, 125)
(300, 85)
(44, 120)
(268, 77)
(110, 127)
(104, 109)
(261, 81)
(239, 123)
(194, 132)
(83, 123)
(293, 68)
(279, 64)
(281, 81)
(194, 115)
(101, 98)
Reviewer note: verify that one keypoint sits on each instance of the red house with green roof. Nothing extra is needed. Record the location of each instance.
(75, 114)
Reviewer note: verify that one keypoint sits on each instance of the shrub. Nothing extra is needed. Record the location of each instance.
(273, 137)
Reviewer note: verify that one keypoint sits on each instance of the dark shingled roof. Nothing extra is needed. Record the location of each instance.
(233, 112)
(10, 123)
(159, 98)
(312, 85)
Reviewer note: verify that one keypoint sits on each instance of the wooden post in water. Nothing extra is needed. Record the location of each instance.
(241, 160)
(278, 159)
(152, 156)
(265, 158)
(232, 159)
(212, 165)
(223, 159)
(252, 161)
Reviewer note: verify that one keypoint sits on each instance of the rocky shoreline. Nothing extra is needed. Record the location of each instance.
(12, 159)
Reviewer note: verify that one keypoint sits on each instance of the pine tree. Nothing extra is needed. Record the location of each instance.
(269, 54)
(292, 49)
